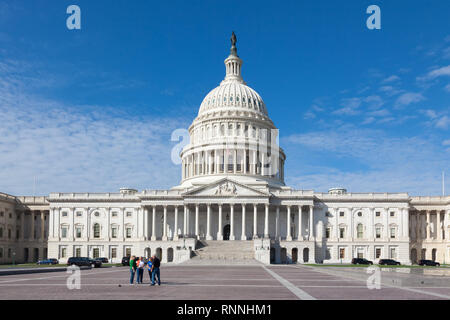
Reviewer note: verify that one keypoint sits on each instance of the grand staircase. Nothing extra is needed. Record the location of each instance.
(223, 253)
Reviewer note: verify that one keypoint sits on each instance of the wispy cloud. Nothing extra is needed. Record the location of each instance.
(408, 98)
(391, 79)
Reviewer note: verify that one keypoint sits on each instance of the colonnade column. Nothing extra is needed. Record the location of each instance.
(175, 228)
(184, 221)
(164, 237)
(300, 223)
(197, 235)
(255, 221)
(219, 232)
(145, 223)
(428, 225)
(232, 237)
(277, 224)
(438, 222)
(153, 238)
(42, 226)
(288, 221)
(32, 225)
(243, 236)
(266, 223)
(208, 222)
(311, 223)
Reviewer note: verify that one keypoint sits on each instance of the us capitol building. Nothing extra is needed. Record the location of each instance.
(231, 205)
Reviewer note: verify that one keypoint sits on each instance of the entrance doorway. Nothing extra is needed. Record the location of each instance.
(226, 232)
(306, 255)
(294, 255)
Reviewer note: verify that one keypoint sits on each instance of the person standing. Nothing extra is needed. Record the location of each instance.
(149, 268)
(155, 270)
(140, 267)
(132, 268)
(138, 273)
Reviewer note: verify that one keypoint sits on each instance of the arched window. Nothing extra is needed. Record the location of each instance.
(96, 230)
(360, 231)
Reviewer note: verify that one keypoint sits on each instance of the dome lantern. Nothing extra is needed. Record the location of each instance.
(233, 64)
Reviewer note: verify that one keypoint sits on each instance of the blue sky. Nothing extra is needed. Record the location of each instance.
(93, 110)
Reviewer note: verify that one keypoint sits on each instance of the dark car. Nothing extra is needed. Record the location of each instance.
(84, 262)
(102, 260)
(388, 262)
(126, 261)
(361, 261)
(429, 263)
(48, 261)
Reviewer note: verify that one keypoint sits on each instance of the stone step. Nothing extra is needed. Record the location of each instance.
(224, 252)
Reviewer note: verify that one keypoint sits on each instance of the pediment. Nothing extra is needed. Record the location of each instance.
(225, 188)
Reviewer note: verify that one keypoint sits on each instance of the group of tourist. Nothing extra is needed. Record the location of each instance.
(138, 265)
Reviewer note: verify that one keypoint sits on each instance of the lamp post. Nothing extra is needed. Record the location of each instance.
(13, 258)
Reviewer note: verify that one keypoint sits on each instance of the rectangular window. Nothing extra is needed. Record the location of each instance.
(64, 214)
(341, 253)
(114, 232)
(128, 213)
(78, 232)
(327, 233)
(113, 253)
(1, 252)
(78, 252)
(79, 213)
(341, 214)
(64, 232)
(392, 233)
(342, 233)
(129, 231)
(9, 252)
(392, 214)
(377, 214)
(377, 253)
(96, 253)
(63, 252)
(128, 252)
(114, 213)
(378, 233)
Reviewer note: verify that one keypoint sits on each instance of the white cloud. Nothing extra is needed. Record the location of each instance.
(435, 73)
(349, 106)
(443, 122)
(408, 98)
(391, 79)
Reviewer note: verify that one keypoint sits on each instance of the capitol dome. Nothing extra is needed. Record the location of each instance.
(232, 135)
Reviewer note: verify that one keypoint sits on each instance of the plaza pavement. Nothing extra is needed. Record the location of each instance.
(254, 282)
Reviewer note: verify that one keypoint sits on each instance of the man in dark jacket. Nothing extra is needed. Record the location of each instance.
(155, 270)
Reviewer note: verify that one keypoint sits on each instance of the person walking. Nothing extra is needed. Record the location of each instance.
(155, 270)
(132, 268)
(140, 267)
